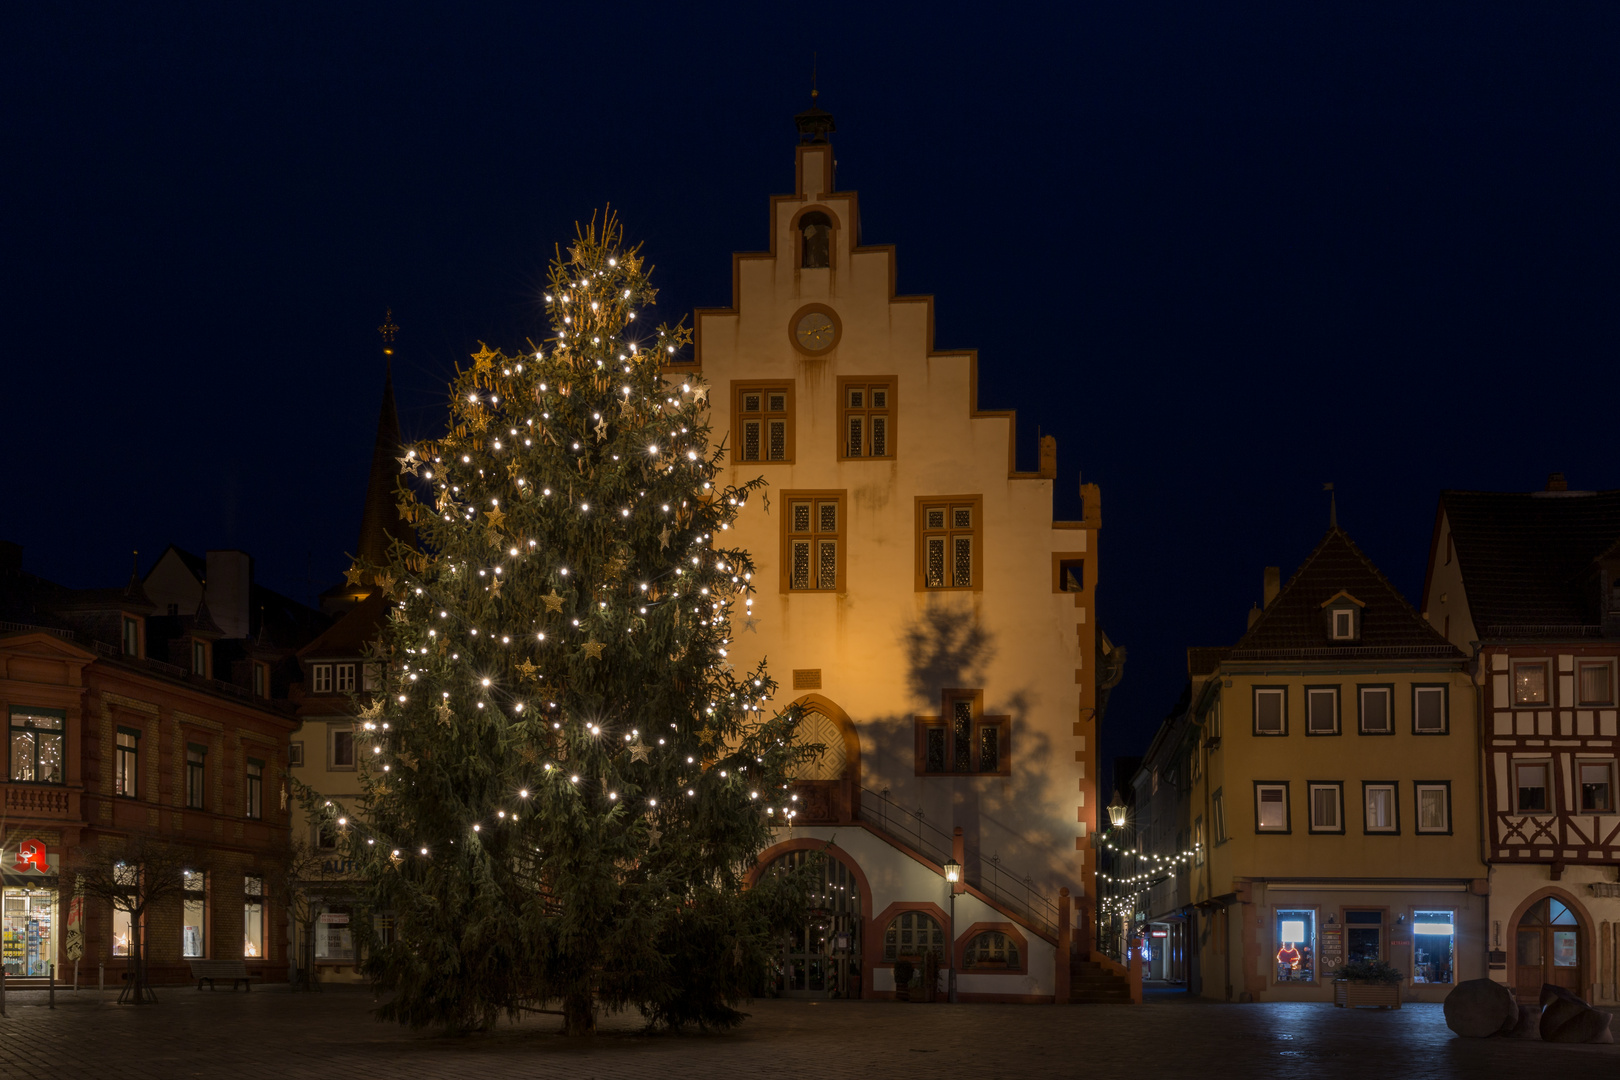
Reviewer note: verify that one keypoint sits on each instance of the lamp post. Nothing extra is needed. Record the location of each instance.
(953, 874)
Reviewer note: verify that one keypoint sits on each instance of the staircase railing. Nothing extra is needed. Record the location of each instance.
(1005, 887)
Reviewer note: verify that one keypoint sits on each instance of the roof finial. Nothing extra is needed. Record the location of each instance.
(814, 93)
(1333, 507)
(388, 330)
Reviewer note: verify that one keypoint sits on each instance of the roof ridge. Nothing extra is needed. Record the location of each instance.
(1333, 534)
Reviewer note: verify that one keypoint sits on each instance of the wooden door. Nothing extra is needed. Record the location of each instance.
(1549, 947)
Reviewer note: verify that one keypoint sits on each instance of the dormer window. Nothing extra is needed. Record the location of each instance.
(199, 658)
(815, 241)
(1343, 616)
(132, 636)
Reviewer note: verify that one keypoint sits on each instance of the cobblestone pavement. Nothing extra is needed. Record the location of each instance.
(274, 1033)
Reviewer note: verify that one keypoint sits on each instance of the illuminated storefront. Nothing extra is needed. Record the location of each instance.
(28, 909)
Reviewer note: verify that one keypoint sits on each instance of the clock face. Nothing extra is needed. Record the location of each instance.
(815, 332)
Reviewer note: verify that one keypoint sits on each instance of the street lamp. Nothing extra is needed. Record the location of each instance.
(953, 874)
(1116, 811)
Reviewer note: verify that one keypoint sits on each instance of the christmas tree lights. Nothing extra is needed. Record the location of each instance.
(565, 781)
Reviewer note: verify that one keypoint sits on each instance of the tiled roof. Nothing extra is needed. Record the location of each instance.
(350, 635)
(1203, 659)
(1293, 627)
(1528, 560)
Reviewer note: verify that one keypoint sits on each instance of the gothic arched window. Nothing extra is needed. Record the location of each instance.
(815, 247)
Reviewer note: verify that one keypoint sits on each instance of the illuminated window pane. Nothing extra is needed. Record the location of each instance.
(778, 436)
(827, 569)
(880, 436)
(963, 568)
(934, 571)
(800, 575)
(750, 447)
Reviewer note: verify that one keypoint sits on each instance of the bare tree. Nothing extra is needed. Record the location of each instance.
(135, 876)
(300, 879)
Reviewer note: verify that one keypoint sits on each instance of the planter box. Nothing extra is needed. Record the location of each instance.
(1351, 995)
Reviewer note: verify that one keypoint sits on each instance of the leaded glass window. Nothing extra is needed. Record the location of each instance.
(962, 733)
(866, 420)
(763, 418)
(935, 761)
(991, 949)
(989, 748)
(949, 537)
(911, 935)
(813, 542)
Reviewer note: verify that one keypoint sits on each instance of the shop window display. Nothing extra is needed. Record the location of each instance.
(252, 917)
(1296, 944)
(27, 924)
(1434, 946)
(193, 934)
(334, 936)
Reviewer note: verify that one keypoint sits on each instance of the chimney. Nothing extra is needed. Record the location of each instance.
(1556, 482)
(230, 577)
(1273, 584)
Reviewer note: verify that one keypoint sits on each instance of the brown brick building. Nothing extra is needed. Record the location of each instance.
(105, 743)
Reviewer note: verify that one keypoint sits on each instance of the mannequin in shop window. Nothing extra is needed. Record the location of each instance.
(1287, 962)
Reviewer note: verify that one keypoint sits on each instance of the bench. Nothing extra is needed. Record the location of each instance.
(206, 971)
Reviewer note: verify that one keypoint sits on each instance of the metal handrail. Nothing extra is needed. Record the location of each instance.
(1005, 888)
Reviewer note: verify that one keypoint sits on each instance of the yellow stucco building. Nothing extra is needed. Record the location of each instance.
(1333, 793)
(916, 596)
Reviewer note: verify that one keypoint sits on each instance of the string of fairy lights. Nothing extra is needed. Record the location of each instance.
(1139, 884)
(710, 579)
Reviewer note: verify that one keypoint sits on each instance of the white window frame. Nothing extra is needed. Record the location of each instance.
(199, 658)
(1281, 693)
(320, 677)
(1349, 617)
(1443, 692)
(1545, 765)
(1394, 790)
(343, 682)
(332, 732)
(295, 753)
(1388, 694)
(1418, 789)
(1261, 786)
(1580, 668)
(1337, 787)
(1218, 811)
(1547, 696)
(1608, 766)
(1311, 694)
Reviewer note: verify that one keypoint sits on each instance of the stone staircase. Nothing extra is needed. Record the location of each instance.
(1092, 984)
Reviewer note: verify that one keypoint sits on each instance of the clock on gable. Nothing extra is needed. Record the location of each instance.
(814, 329)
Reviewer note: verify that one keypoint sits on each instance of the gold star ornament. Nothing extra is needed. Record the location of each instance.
(593, 649)
(493, 517)
(552, 601)
(481, 359)
(354, 574)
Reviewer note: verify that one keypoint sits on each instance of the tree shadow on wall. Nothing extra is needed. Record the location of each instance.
(1006, 837)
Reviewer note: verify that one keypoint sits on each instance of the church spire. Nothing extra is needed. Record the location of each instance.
(379, 521)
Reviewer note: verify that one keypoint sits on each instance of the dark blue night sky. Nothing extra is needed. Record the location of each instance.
(1224, 252)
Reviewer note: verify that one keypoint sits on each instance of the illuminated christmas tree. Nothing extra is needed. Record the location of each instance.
(565, 781)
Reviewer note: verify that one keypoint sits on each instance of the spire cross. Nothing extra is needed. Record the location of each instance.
(387, 331)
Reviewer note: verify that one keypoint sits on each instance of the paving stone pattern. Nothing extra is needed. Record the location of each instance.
(274, 1033)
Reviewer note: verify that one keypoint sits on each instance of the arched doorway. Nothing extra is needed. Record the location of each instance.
(1548, 949)
(828, 787)
(822, 958)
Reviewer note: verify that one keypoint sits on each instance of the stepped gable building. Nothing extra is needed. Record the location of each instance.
(332, 669)
(108, 742)
(1330, 769)
(916, 597)
(1528, 583)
